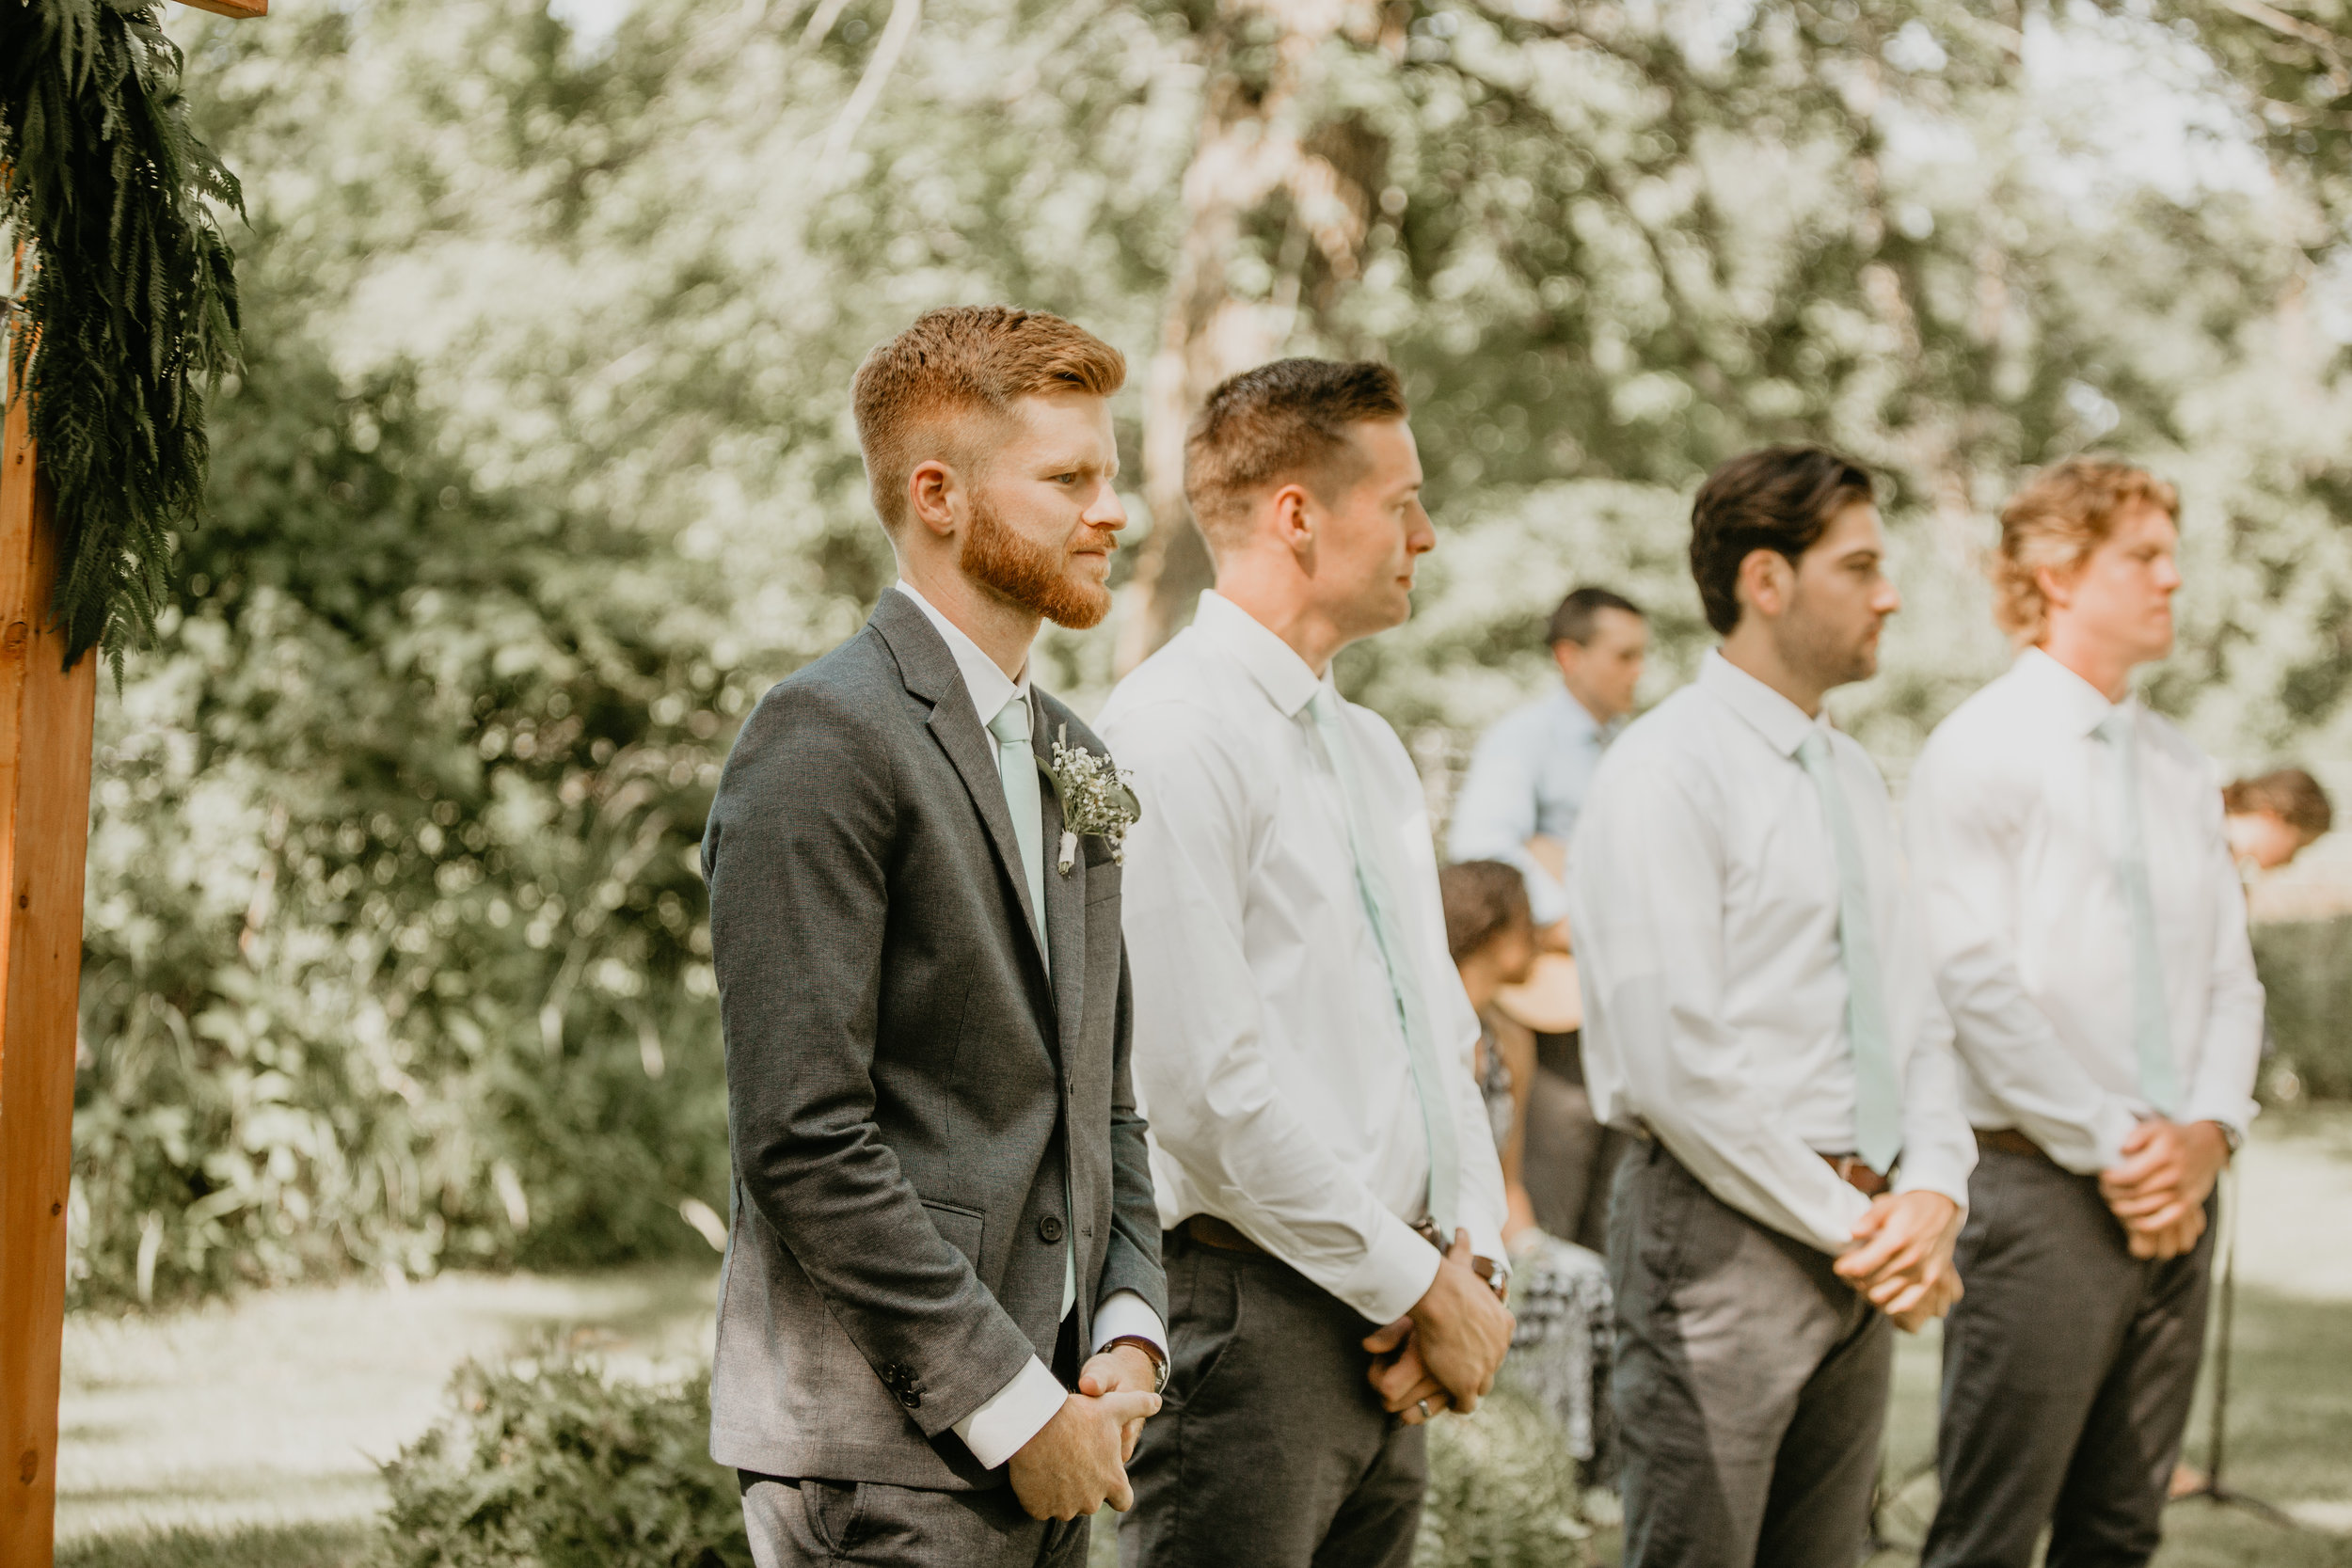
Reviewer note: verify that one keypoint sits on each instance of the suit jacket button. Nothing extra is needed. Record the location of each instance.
(911, 1397)
(1049, 1229)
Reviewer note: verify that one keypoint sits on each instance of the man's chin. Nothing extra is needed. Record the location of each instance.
(1081, 607)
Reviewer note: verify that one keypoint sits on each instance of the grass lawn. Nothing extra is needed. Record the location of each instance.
(248, 1435)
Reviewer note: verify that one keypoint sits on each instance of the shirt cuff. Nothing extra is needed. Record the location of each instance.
(1018, 1412)
(1934, 1176)
(1122, 1315)
(1396, 1272)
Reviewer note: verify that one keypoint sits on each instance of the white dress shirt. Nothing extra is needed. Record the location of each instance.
(2012, 828)
(998, 1430)
(1269, 1058)
(1703, 896)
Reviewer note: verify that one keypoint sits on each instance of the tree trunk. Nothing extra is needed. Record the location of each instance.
(1263, 163)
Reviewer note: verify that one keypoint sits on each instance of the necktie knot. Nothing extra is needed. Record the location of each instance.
(2116, 728)
(1012, 725)
(1813, 752)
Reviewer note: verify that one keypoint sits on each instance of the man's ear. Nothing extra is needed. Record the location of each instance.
(2056, 584)
(933, 490)
(1765, 581)
(1293, 517)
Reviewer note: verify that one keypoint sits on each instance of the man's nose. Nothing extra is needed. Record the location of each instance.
(1108, 510)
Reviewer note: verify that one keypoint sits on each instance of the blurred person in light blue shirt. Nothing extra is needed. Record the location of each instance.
(1527, 777)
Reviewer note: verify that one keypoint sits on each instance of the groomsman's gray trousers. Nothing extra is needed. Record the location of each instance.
(1272, 1449)
(1750, 1385)
(2068, 1371)
(801, 1524)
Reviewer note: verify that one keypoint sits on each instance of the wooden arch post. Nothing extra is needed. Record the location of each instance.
(47, 712)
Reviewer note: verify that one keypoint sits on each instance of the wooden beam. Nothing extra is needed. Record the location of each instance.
(45, 713)
(241, 10)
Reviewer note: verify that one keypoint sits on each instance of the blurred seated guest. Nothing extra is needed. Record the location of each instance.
(1527, 777)
(2266, 821)
(1518, 804)
(1560, 1290)
(2272, 818)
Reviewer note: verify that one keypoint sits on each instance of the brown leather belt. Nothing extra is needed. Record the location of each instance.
(2007, 1140)
(1210, 1231)
(1854, 1174)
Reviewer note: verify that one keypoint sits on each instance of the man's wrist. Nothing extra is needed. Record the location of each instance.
(2232, 1139)
(1152, 1353)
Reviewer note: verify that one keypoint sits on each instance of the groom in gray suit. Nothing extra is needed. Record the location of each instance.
(940, 1325)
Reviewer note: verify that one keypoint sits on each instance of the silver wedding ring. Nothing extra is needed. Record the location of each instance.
(1425, 1408)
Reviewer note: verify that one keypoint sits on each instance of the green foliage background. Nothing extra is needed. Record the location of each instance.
(542, 469)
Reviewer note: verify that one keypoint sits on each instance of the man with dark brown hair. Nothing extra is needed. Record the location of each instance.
(2088, 936)
(939, 1325)
(1759, 1013)
(1325, 1168)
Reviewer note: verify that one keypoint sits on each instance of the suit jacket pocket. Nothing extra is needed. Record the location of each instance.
(959, 1226)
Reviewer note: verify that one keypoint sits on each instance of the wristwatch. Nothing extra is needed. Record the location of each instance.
(2232, 1136)
(1152, 1353)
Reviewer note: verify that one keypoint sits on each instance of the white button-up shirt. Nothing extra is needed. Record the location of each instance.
(1268, 1057)
(1703, 900)
(998, 1430)
(2012, 827)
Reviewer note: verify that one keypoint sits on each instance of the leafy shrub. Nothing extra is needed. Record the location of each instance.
(553, 1464)
(1502, 1491)
(395, 952)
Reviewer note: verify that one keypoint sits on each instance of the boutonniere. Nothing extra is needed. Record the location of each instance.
(1095, 798)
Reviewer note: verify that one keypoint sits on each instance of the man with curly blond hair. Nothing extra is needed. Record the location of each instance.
(2089, 942)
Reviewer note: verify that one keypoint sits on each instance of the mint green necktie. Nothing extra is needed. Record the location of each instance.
(1016, 764)
(2151, 1040)
(1878, 1097)
(1386, 912)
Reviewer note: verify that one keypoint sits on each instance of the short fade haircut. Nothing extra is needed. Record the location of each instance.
(2055, 522)
(1573, 622)
(915, 395)
(1780, 498)
(2289, 794)
(1282, 422)
(1483, 899)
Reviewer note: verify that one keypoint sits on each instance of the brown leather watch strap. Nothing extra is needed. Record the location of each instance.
(1158, 1359)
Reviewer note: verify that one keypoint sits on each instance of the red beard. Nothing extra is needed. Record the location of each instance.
(1031, 576)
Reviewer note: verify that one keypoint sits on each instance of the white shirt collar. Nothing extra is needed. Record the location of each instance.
(982, 678)
(1273, 663)
(2068, 698)
(1783, 723)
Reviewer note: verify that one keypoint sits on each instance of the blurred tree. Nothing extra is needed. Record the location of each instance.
(544, 468)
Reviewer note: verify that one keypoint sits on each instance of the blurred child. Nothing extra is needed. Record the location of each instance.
(1560, 1290)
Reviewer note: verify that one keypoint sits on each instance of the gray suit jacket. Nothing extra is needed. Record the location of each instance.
(905, 1086)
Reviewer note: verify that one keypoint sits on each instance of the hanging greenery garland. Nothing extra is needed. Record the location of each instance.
(129, 316)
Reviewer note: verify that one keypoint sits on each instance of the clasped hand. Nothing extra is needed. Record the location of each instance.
(1903, 1265)
(1444, 1352)
(1077, 1460)
(2158, 1189)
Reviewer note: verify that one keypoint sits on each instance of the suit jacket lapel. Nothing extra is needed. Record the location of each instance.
(930, 672)
(1065, 897)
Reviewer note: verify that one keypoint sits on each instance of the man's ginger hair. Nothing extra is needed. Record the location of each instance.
(930, 392)
(2056, 522)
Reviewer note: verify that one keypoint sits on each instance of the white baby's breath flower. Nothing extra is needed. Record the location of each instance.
(1095, 800)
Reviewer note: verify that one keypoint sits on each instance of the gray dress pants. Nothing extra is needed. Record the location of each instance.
(799, 1523)
(2068, 1372)
(1271, 1449)
(1750, 1383)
